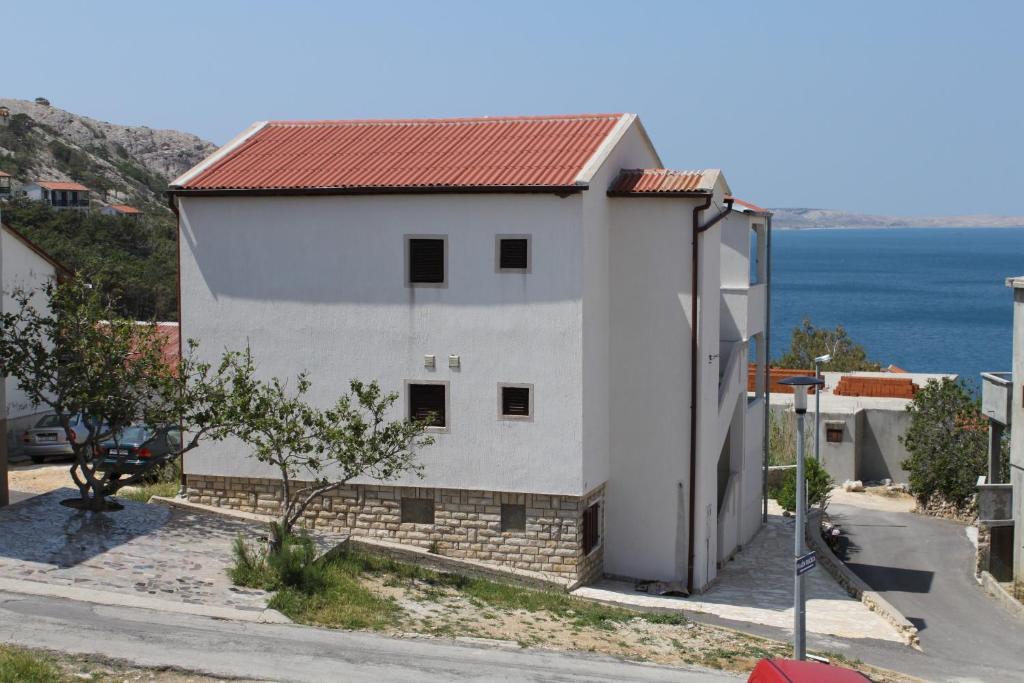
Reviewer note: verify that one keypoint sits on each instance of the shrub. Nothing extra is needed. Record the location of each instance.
(947, 441)
(819, 484)
(288, 562)
(19, 666)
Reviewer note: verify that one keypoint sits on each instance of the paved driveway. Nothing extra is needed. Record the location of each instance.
(147, 550)
(924, 567)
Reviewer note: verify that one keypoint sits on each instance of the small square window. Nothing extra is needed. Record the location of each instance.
(514, 253)
(426, 260)
(417, 511)
(834, 434)
(513, 517)
(515, 401)
(429, 402)
(591, 528)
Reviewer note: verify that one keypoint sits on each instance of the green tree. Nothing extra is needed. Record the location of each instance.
(819, 486)
(810, 342)
(70, 352)
(947, 441)
(316, 451)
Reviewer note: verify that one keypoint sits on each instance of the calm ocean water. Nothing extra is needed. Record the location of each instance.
(925, 299)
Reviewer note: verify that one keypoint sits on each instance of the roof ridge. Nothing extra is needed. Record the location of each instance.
(454, 120)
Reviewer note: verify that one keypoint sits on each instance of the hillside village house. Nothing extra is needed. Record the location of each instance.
(58, 194)
(26, 266)
(576, 317)
(121, 210)
(5, 185)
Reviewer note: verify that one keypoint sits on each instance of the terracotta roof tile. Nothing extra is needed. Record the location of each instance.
(878, 387)
(4, 175)
(60, 185)
(124, 208)
(640, 181)
(518, 152)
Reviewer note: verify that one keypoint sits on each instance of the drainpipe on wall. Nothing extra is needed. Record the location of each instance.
(694, 280)
(767, 361)
(173, 203)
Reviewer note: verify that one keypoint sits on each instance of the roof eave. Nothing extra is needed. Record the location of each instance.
(685, 194)
(560, 190)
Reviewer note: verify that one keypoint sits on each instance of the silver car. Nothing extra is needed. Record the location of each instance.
(48, 440)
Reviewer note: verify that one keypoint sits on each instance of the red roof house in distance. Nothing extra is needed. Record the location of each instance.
(120, 210)
(552, 261)
(5, 185)
(58, 194)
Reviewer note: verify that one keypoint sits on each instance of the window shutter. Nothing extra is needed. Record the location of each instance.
(515, 401)
(514, 254)
(591, 528)
(427, 401)
(426, 261)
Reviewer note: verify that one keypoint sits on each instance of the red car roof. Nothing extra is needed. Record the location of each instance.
(796, 671)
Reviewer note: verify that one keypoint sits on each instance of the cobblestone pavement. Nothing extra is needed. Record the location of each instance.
(144, 549)
(757, 587)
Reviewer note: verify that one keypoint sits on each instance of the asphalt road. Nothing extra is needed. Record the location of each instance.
(925, 568)
(296, 653)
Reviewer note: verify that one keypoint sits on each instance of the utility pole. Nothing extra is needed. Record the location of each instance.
(802, 560)
(827, 358)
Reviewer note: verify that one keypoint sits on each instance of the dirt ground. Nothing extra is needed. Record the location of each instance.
(875, 498)
(444, 612)
(78, 668)
(39, 478)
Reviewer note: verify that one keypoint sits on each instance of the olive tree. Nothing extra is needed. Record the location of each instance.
(947, 441)
(809, 342)
(316, 451)
(71, 354)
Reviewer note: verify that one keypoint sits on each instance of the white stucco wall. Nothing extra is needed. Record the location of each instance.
(647, 490)
(20, 267)
(318, 283)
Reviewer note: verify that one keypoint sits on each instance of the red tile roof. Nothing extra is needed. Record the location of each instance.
(124, 208)
(775, 374)
(878, 387)
(4, 175)
(60, 185)
(543, 152)
(656, 181)
(741, 204)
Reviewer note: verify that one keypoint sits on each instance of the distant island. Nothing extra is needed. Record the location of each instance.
(828, 218)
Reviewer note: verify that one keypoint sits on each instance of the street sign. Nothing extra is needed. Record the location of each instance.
(806, 563)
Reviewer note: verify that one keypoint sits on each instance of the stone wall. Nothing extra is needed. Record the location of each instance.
(467, 524)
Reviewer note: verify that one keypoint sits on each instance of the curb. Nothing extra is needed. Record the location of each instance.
(224, 512)
(854, 585)
(111, 599)
(1002, 596)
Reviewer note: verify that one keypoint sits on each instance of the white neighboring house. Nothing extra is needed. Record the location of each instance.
(23, 265)
(58, 194)
(530, 281)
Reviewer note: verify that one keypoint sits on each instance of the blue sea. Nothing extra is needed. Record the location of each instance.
(925, 299)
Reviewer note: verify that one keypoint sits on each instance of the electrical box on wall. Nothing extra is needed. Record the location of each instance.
(428, 361)
(454, 361)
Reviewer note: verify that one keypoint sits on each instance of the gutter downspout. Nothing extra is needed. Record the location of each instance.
(173, 203)
(694, 280)
(767, 363)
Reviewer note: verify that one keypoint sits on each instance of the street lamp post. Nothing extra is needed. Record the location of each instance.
(827, 358)
(800, 555)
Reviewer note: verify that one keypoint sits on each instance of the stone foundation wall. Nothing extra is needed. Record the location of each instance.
(467, 524)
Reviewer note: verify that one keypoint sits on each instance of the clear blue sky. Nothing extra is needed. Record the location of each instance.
(884, 107)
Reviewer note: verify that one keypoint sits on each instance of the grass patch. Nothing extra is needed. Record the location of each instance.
(19, 666)
(142, 494)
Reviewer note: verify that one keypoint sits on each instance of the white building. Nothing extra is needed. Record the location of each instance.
(58, 193)
(23, 265)
(529, 280)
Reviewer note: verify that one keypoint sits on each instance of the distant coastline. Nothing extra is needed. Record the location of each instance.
(830, 219)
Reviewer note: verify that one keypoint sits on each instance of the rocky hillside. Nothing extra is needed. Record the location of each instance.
(829, 218)
(121, 164)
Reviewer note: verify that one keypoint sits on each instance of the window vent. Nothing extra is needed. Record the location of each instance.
(427, 402)
(515, 401)
(591, 528)
(417, 511)
(513, 517)
(426, 261)
(514, 253)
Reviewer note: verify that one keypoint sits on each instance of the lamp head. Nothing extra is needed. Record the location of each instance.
(827, 358)
(800, 383)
